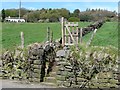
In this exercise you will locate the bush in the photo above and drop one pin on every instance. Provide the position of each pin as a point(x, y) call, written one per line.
point(53, 19)
point(108, 20)
point(73, 19)
point(86, 17)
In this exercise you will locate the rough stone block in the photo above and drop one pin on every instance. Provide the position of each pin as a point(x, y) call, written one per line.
point(37, 66)
point(66, 84)
point(37, 62)
point(53, 74)
point(113, 81)
point(61, 63)
point(68, 67)
point(61, 69)
point(81, 79)
point(102, 80)
point(60, 78)
point(50, 79)
point(59, 83)
point(37, 75)
point(36, 80)
point(37, 70)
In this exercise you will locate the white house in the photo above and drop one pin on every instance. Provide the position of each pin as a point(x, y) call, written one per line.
point(14, 19)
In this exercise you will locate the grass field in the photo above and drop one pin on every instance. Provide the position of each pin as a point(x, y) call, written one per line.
point(33, 32)
point(37, 32)
point(105, 36)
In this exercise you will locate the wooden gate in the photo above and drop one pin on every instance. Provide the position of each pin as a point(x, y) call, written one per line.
point(69, 32)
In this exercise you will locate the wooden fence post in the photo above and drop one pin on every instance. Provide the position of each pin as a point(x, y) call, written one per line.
point(51, 36)
point(62, 28)
point(77, 34)
point(80, 35)
point(48, 33)
point(22, 40)
point(89, 42)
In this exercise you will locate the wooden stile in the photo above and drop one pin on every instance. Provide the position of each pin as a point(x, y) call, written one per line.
point(77, 34)
point(62, 28)
point(69, 33)
point(81, 35)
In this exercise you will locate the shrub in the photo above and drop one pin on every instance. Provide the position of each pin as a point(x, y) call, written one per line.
point(73, 19)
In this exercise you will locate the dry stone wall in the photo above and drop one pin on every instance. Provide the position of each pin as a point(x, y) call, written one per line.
point(91, 27)
point(28, 64)
point(97, 68)
point(82, 67)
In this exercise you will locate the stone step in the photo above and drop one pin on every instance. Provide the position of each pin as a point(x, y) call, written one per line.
point(53, 74)
point(49, 84)
point(61, 63)
point(55, 68)
point(50, 79)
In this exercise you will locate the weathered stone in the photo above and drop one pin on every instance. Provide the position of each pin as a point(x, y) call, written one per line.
point(37, 62)
point(112, 81)
point(37, 75)
point(48, 84)
point(57, 59)
point(68, 70)
point(64, 73)
point(61, 69)
point(92, 86)
point(102, 80)
point(75, 86)
point(50, 79)
point(79, 83)
point(37, 66)
point(112, 85)
point(33, 58)
point(101, 85)
point(62, 63)
point(60, 78)
point(59, 72)
point(59, 83)
point(68, 67)
point(36, 80)
point(66, 84)
point(81, 79)
point(60, 53)
point(52, 74)
point(102, 75)
point(37, 70)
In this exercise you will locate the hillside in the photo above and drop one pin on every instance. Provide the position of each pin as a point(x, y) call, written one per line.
point(106, 35)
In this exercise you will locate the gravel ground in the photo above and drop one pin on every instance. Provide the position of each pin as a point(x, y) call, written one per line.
point(22, 84)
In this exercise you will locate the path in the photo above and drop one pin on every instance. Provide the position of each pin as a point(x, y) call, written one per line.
point(21, 84)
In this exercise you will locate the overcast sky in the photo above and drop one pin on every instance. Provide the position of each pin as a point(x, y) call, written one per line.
point(38, 4)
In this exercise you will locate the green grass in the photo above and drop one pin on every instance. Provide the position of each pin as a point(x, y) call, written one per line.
point(105, 36)
point(33, 32)
point(37, 32)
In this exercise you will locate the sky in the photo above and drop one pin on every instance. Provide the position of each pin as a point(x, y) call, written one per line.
point(111, 6)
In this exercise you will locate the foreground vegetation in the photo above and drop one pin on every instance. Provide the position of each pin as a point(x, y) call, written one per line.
point(85, 67)
point(37, 32)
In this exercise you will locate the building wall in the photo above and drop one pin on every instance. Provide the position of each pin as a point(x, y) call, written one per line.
point(15, 20)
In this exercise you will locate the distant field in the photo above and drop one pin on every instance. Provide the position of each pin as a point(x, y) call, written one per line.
point(33, 32)
point(37, 32)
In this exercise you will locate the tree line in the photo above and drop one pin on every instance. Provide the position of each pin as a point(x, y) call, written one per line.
point(54, 15)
